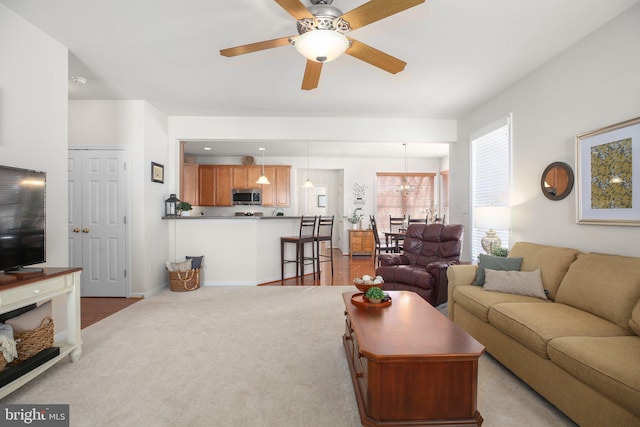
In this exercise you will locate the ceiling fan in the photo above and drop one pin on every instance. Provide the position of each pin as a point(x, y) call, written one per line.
point(322, 28)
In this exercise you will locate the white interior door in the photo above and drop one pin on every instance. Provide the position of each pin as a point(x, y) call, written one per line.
point(97, 221)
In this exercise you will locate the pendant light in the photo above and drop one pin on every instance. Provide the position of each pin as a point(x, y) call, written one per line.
point(308, 183)
point(404, 186)
point(263, 178)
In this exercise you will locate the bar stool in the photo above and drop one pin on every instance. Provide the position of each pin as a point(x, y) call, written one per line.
point(306, 235)
point(324, 234)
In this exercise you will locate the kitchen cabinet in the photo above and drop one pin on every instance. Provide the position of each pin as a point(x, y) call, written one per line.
point(282, 184)
point(277, 194)
point(245, 176)
point(189, 191)
point(215, 185)
point(207, 185)
point(224, 185)
point(215, 182)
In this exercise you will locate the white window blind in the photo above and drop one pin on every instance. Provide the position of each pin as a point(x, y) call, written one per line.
point(390, 202)
point(490, 175)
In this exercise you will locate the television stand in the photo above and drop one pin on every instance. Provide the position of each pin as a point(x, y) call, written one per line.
point(63, 283)
point(25, 273)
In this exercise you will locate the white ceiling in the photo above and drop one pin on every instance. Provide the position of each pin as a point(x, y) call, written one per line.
point(459, 53)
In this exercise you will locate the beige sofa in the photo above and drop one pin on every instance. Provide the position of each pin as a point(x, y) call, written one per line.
point(580, 348)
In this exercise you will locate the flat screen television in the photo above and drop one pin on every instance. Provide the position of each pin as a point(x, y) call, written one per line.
point(22, 218)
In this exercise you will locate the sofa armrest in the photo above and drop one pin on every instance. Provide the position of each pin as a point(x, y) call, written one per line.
point(459, 275)
point(389, 259)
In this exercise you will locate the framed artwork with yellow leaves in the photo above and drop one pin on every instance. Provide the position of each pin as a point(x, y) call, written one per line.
point(608, 175)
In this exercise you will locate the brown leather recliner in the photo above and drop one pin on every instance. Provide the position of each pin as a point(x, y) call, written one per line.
point(422, 266)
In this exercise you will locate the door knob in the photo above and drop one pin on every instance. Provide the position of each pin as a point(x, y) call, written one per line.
point(85, 230)
point(76, 230)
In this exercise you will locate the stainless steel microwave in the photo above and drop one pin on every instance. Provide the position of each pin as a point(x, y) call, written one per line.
point(246, 196)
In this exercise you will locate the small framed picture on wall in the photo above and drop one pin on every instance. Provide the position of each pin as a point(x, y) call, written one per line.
point(322, 200)
point(157, 172)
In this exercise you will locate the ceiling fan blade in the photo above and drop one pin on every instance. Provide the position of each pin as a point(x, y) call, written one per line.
point(375, 57)
point(376, 10)
point(311, 75)
point(254, 47)
point(295, 8)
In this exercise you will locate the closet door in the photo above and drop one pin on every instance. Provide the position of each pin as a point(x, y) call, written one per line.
point(97, 222)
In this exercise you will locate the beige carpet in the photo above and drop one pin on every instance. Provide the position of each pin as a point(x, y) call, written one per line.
point(248, 356)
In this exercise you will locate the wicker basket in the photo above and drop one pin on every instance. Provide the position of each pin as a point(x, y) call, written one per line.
point(33, 341)
point(3, 362)
point(181, 281)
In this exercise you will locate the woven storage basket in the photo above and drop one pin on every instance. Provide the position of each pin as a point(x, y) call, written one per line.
point(180, 281)
point(33, 341)
point(3, 362)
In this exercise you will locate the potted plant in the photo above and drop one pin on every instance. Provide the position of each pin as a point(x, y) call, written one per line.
point(501, 252)
point(374, 295)
point(356, 218)
point(185, 208)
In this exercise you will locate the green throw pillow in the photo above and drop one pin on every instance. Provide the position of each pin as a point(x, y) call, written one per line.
point(495, 263)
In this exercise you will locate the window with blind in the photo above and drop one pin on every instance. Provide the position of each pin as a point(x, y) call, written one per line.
point(416, 203)
point(490, 175)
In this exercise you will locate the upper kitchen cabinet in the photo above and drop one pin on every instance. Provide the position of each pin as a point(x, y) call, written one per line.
point(245, 176)
point(190, 184)
point(277, 193)
point(224, 185)
point(215, 185)
point(207, 185)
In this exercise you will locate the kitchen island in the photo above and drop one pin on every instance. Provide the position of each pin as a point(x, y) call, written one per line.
point(238, 250)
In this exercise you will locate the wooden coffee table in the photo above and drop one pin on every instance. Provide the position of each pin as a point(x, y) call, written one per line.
point(410, 365)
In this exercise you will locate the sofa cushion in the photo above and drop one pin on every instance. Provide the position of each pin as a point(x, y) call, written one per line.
point(605, 285)
point(494, 263)
point(610, 365)
point(515, 282)
point(534, 325)
point(477, 301)
point(634, 322)
point(552, 261)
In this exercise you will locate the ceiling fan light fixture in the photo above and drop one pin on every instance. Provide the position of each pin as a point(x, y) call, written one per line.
point(322, 45)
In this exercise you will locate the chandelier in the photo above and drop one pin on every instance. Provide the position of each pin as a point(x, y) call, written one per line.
point(404, 186)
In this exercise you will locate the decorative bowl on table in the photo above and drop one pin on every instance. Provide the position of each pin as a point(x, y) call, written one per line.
point(367, 282)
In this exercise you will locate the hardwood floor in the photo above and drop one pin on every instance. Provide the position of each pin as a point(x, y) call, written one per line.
point(93, 310)
point(345, 270)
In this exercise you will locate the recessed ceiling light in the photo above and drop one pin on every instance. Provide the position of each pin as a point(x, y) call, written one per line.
point(207, 148)
point(79, 80)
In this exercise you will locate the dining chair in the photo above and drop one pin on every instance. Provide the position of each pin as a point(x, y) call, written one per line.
point(379, 245)
point(410, 220)
point(306, 235)
point(395, 224)
point(437, 220)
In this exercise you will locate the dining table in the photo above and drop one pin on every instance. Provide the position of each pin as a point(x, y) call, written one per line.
point(393, 239)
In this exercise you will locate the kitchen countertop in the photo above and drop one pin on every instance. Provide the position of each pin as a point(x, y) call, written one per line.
point(229, 217)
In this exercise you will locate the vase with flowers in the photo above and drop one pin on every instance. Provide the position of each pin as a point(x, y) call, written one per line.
point(355, 219)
